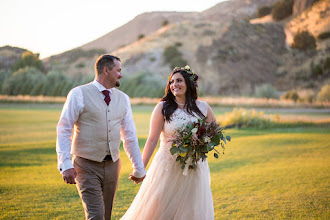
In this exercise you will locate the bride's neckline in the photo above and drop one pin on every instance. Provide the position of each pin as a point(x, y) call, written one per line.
point(180, 105)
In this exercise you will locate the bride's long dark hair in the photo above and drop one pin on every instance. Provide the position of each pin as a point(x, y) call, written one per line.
point(191, 96)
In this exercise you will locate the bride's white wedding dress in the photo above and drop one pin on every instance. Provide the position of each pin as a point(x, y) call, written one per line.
point(167, 194)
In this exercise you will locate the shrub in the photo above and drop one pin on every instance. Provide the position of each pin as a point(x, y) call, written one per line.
point(246, 118)
point(317, 71)
point(326, 64)
point(141, 36)
point(173, 57)
point(178, 44)
point(324, 94)
point(263, 11)
point(282, 9)
point(80, 65)
point(304, 41)
point(164, 23)
point(291, 95)
point(266, 91)
point(324, 35)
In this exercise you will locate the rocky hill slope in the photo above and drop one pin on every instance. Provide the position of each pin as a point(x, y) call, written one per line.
point(231, 54)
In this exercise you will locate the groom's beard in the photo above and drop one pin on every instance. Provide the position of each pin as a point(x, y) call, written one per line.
point(117, 84)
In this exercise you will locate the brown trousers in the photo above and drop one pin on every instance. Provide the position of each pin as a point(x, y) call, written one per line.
point(97, 185)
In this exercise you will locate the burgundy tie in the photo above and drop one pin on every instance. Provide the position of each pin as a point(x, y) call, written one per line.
point(107, 97)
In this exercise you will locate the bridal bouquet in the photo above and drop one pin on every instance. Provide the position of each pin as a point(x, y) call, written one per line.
point(194, 140)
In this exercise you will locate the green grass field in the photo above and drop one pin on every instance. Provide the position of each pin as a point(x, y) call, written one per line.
point(276, 173)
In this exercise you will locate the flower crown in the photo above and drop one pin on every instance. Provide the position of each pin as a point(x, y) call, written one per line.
point(193, 77)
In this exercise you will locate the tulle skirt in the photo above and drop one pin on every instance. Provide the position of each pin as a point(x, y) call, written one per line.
point(167, 194)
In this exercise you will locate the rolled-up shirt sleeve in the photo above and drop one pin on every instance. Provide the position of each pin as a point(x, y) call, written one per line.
point(130, 141)
point(72, 108)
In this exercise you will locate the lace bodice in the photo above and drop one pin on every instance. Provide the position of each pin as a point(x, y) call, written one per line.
point(179, 118)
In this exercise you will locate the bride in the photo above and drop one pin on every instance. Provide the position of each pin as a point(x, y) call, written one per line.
point(166, 193)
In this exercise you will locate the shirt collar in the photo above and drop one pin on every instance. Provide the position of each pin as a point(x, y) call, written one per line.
point(100, 87)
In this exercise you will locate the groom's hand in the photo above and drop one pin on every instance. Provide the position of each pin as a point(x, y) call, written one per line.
point(136, 180)
point(69, 176)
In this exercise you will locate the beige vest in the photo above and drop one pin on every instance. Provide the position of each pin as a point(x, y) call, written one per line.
point(97, 131)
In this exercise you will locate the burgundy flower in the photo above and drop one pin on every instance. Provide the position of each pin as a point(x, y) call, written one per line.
point(201, 131)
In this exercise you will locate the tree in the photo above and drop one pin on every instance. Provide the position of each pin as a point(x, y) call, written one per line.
point(28, 59)
point(23, 81)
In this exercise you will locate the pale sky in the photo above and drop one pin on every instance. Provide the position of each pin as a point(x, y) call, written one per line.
point(49, 27)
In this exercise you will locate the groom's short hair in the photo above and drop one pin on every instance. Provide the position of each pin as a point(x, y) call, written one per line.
point(105, 60)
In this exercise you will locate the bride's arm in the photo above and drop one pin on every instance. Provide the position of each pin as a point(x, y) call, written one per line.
point(156, 126)
point(210, 114)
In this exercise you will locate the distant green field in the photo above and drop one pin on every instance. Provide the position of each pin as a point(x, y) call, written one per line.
point(277, 173)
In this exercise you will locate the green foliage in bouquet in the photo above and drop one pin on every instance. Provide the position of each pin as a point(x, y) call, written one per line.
point(195, 140)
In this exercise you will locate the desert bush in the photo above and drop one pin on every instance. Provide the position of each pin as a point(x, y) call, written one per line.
point(141, 36)
point(173, 57)
point(164, 23)
point(266, 91)
point(326, 64)
point(244, 118)
point(323, 36)
point(324, 94)
point(80, 65)
point(282, 9)
point(263, 11)
point(291, 95)
point(317, 70)
point(304, 41)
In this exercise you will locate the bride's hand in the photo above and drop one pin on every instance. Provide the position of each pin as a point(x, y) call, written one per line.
point(136, 180)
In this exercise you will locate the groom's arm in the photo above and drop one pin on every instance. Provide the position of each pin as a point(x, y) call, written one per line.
point(130, 142)
point(70, 114)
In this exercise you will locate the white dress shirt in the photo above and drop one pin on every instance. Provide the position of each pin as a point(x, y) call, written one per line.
point(73, 107)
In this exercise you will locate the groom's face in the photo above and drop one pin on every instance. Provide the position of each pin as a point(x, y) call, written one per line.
point(114, 75)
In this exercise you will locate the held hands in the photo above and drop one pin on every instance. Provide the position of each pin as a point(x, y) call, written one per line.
point(135, 179)
point(69, 176)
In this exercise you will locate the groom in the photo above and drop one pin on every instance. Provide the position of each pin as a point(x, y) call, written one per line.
point(94, 119)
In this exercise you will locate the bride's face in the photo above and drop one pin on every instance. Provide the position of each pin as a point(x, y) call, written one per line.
point(178, 85)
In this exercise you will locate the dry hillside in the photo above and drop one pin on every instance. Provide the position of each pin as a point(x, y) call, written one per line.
point(145, 24)
point(231, 50)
